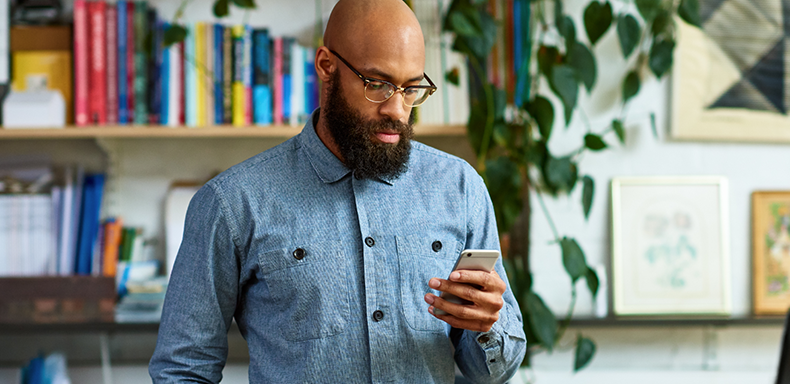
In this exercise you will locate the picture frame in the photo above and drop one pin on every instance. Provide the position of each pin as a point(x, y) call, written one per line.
point(727, 76)
point(771, 252)
point(670, 246)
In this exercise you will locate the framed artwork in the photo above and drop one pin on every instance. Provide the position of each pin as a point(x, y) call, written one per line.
point(729, 79)
point(670, 250)
point(771, 252)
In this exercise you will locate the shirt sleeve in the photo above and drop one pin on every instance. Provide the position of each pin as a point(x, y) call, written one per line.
point(493, 356)
point(201, 298)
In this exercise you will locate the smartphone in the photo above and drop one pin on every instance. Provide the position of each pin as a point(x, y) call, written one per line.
point(474, 259)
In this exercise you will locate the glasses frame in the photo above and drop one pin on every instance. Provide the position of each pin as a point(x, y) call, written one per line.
point(367, 80)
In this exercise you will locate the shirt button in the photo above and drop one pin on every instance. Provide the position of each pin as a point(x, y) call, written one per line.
point(436, 246)
point(378, 315)
point(482, 339)
point(299, 254)
point(369, 241)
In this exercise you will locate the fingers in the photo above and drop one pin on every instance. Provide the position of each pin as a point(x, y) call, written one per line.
point(488, 281)
point(471, 317)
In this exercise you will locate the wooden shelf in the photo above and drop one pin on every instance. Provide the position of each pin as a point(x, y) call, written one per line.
point(653, 321)
point(220, 131)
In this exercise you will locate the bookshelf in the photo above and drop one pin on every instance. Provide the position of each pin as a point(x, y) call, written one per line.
point(220, 131)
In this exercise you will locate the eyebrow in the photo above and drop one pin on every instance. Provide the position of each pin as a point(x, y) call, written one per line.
point(383, 76)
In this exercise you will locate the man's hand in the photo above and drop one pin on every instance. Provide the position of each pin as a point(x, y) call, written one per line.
point(482, 289)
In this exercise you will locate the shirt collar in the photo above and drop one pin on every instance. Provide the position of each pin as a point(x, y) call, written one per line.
point(328, 167)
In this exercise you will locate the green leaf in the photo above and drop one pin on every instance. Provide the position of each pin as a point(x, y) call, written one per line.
point(631, 85)
point(653, 124)
point(592, 281)
point(689, 12)
point(541, 320)
point(568, 31)
point(588, 190)
point(465, 22)
point(594, 142)
point(248, 4)
point(561, 173)
point(478, 45)
point(661, 23)
point(503, 179)
point(619, 130)
point(582, 60)
point(573, 258)
point(221, 8)
point(597, 19)
point(547, 57)
point(661, 56)
point(564, 83)
point(174, 34)
point(585, 350)
point(542, 111)
point(648, 9)
point(629, 33)
point(452, 76)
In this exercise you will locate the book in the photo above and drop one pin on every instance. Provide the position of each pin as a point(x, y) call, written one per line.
point(111, 34)
point(89, 222)
point(182, 85)
point(131, 62)
point(219, 74)
point(113, 228)
point(310, 82)
point(175, 85)
point(287, 44)
point(154, 48)
point(190, 78)
point(297, 84)
point(164, 81)
point(247, 75)
point(122, 76)
point(81, 62)
point(277, 78)
point(208, 80)
point(200, 73)
point(239, 93)
point(261, 83)
point(140, 63)
point(227, 75)
point(97, 84)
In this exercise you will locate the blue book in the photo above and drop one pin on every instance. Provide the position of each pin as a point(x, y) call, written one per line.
point(261, 77)
point(310, 82)
point(89, 223)
point(123, 81)
point(219, 94)
point(287, 43)
point(164, 73)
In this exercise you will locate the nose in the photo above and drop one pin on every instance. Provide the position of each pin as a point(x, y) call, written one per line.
point(394, 108)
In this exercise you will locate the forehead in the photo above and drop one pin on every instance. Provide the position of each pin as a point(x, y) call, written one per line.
point(398, 55)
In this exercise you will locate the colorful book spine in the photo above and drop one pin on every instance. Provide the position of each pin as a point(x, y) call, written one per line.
point(112, 64)
point(239, 102)
point(227, 75)
point(190, 78)
point(98, 61)
point(261, 86)
point(310, 82)
point(140, 63)
point(131, 72)
point(200, 72)
point(209, 78)
point(81, 62)
point(181, 85)
point(219, 70)
point(277, 71)
point(164, 73)
point(154, 48)
point(174, 87)
point(286, 75)
point(248, 75)
point(89, 223)
point(122, 80)
point(113, 229)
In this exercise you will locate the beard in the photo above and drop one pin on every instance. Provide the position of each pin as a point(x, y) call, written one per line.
point(354, 136)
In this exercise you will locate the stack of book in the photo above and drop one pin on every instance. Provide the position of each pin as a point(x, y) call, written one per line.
point(124, 73)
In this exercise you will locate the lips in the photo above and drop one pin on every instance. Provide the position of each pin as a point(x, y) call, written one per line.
point(388, 137)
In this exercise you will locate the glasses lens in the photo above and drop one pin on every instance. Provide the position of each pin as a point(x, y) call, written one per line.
point(415, 96)
point(377, 91)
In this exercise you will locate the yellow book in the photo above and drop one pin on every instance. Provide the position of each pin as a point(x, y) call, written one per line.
point(200, 72)
point(50, 69)
point(238, 91)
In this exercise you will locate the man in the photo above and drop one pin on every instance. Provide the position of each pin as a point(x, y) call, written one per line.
point(331, 248)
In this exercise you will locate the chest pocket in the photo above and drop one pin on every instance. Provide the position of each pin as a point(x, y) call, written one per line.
point(421, 257)
point(309, 290)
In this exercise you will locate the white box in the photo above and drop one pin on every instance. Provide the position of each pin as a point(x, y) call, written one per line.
point(34, 109)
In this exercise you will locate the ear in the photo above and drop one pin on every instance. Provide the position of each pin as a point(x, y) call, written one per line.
point(324, 65)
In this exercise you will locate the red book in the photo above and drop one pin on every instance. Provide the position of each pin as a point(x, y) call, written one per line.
point(112, 65)
point(277, 75)
point(81, 62)
point(182, 102)
point(130, 70)
point(97, 91)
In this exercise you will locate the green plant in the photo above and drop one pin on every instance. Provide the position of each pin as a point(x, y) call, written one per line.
point(511, 141)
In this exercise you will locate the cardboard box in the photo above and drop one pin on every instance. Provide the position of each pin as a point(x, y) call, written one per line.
point(72, 299)
point(41, 38)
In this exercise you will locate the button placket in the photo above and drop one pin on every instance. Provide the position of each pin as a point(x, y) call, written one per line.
point(378, 315)
point(299, 253)
point(369, 241)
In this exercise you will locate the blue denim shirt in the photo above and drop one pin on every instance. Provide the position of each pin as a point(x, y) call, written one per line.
point(303, 254)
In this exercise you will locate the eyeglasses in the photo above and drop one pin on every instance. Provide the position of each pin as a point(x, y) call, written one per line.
point(379, 91)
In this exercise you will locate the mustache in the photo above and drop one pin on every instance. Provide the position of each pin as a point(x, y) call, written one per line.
point(403, 129)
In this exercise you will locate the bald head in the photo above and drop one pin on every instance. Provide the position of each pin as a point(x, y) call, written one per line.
point(373, 29)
